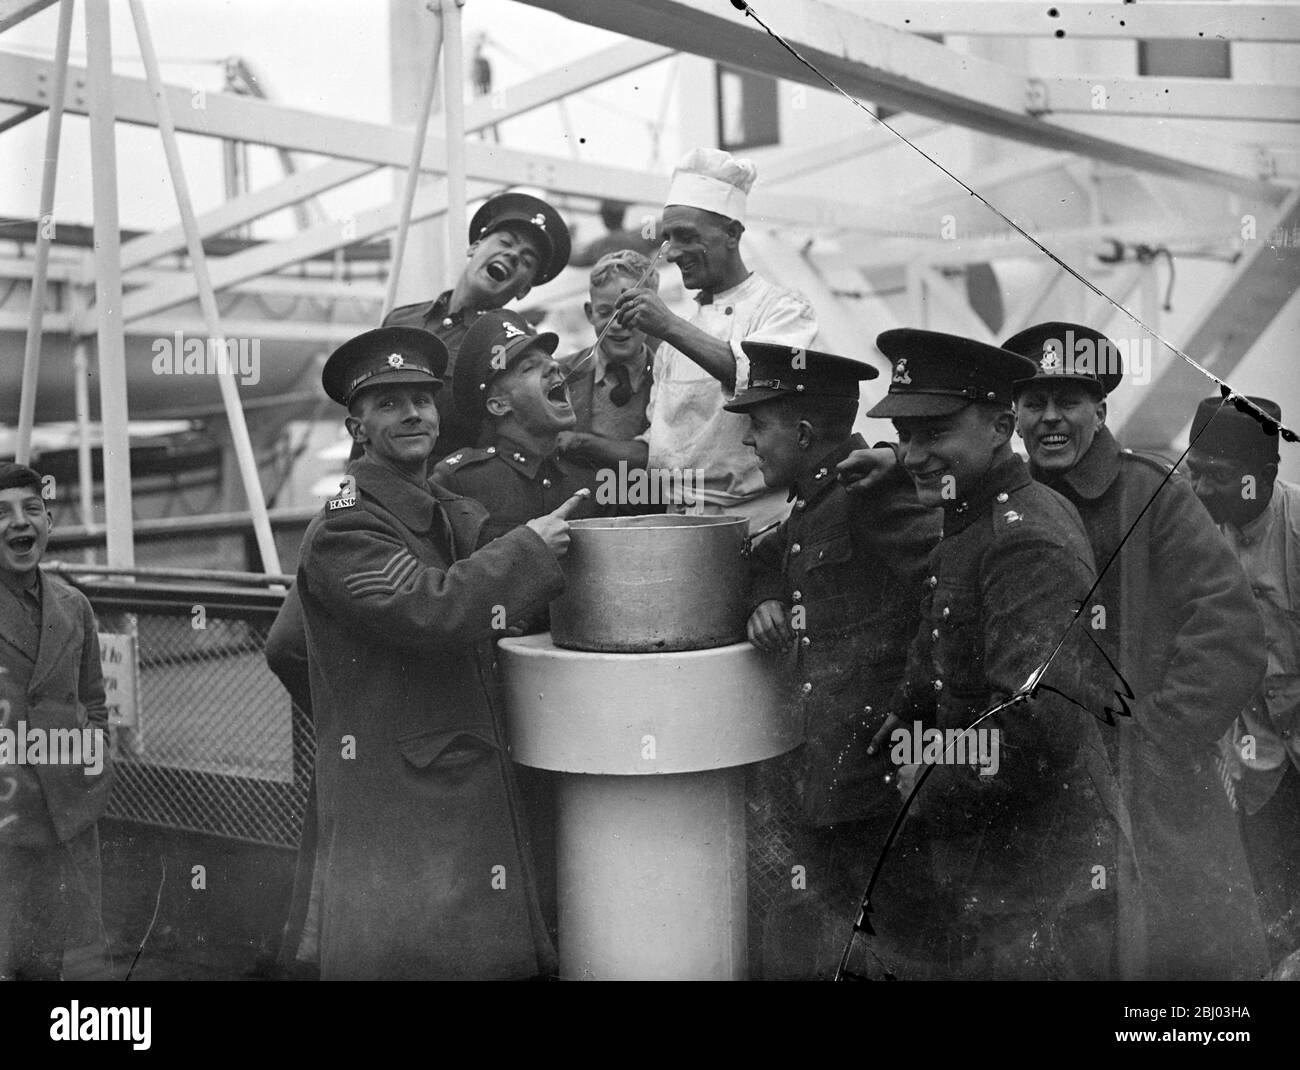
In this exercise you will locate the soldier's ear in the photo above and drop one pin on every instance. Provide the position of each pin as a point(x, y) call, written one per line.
point(355, 428)
point(806, 434)
point(1101, 413)
point(1004, 426)
point(498, 405)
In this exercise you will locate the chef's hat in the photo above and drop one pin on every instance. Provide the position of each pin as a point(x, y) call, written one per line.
point(713, 180)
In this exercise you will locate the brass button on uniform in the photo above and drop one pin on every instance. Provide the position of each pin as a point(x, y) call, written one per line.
point(806, 688)
point(797, 596)
point(1003, 497)
point(938, 685)
point(794, 549)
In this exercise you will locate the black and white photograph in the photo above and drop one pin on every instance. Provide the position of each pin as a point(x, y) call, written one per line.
point(651, 490)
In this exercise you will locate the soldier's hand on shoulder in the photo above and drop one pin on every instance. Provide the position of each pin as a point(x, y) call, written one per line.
point(862, 470)
point(553, 528)
point(769, 626)
point(570, 442)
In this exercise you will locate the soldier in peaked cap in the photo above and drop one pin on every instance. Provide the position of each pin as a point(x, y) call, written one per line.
point(517, 241)
point(508, 377)
point(1233, 464)
point(834, 597)
point(1181, 628)
point(416, 797)
point(1013, 842)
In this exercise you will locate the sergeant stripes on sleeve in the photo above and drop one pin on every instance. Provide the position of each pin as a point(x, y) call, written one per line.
point(385, 580)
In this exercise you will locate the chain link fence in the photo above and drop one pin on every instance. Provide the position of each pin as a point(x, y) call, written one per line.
point(217, 746)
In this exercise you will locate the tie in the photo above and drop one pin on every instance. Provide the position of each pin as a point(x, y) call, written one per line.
point(621, 393)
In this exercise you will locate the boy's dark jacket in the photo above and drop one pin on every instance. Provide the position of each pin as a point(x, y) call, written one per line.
point(51, 679)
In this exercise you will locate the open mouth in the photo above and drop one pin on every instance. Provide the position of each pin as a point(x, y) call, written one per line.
point(558, 394)
point(497, 271)
point(22, 544)
point(1053, 442)
point(927, 478)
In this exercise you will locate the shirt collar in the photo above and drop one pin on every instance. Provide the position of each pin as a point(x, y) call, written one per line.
point(1257, 527)
point(413, 505)
point(20, 588)
point(708, 297)
point(1002, 478)
point(635, 371)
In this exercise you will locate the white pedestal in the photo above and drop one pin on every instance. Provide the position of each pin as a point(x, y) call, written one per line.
point(651, 806)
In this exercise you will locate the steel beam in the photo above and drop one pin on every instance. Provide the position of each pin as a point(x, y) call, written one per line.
point(430, 201)
point(1165, 19)
point(272, 198)
point(12, 12)
point(1262, 282)
point(12, 115)
point(111, 343)
point(795, 162)
point(1170, 98)
point(874, 62)
point(44, 237)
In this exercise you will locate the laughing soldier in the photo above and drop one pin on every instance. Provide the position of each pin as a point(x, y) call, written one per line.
point(1015, 852)
point(836, 596)
point(516, 242)
point(700, 363)
point(1174, 612)
point(507, 373)
point(422, 859)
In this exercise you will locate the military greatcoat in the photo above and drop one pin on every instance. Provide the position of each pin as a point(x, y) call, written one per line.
point(1014, 851)
point(423, 851)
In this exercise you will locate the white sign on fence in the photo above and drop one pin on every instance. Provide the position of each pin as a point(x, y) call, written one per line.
point(117, 654)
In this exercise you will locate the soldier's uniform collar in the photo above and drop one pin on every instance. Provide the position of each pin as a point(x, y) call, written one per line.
point(823, 477)
point(440, 314)
point(997, 485)
point(412, 504)
point(523, 459)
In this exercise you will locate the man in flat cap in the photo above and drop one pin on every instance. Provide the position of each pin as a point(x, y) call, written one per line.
point(836, 596)
point(1015, 826)
point(1174, 614)
point(517, 241)
point(1233, 464)
point(507, 376)
point(423, 861)
point(700, 364)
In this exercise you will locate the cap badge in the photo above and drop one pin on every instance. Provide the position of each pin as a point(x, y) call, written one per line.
point(1050, 362)
point(901, 374)
point(395, 360)
point(539, 221)
point(512, 330)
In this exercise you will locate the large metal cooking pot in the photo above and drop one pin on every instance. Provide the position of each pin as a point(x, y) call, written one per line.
point(642, 584)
